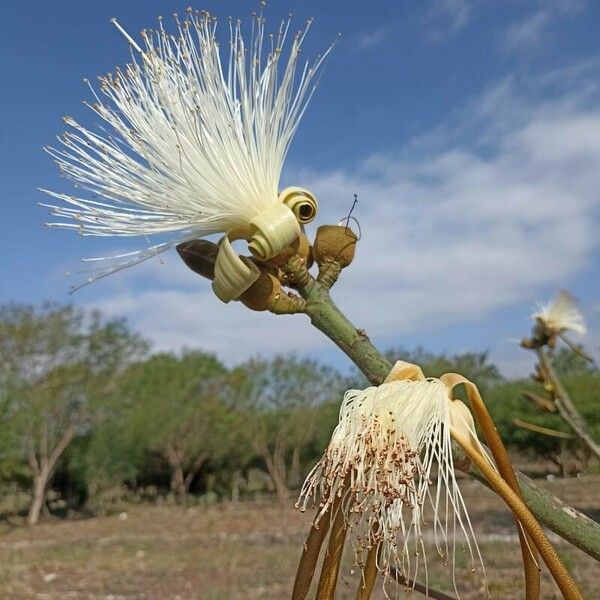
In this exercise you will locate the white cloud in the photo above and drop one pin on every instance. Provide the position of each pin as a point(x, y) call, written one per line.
point(192, 317)
point(446, 17)
point(529, 31)
point(532, 30)
point(371, 39)
point(452, 231)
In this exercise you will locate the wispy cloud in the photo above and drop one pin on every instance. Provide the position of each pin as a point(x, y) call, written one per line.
point(371, 39)
point(531, 31)
point(445, 17)
point(452, 231)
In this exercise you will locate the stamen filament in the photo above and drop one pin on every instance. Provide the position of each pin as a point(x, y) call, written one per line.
point(369, 574)
point(191, 143)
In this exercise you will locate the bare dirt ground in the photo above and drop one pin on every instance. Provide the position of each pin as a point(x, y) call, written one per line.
point(247, 550)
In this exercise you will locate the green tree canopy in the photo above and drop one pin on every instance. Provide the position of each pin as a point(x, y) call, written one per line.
point(58, 367)
point(283, 400)
point(171, 406)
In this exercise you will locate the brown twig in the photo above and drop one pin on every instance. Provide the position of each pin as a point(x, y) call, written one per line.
point(542, 430)
point(566, 408)
point(419, 587)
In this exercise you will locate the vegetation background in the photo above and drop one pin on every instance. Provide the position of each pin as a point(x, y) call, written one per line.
point(95, 428)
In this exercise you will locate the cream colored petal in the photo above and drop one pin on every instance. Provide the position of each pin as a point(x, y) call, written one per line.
point(233, 275)
point(405, 370)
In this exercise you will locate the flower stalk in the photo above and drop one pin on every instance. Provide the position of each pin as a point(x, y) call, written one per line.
point(310, 553)
point(419, 587)
point(505, 468)
point(333, 557)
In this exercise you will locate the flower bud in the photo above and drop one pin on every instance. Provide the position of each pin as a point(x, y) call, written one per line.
point(334, 243)
point(299, 247)
point(200, 256)
point(266, 293)
point(262, 292)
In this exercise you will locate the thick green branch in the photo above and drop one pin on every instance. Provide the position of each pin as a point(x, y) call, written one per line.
point(326, 316)
point(564, 520)
point(567, 522)
point(561, 518)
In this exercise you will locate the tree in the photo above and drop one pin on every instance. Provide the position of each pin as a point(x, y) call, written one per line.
point(280, 399)
point(58, 365)
point(172, 408)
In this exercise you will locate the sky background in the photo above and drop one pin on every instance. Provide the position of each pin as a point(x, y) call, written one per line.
point(470, 130)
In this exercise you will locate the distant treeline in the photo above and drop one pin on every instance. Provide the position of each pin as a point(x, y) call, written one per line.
point(89, 413)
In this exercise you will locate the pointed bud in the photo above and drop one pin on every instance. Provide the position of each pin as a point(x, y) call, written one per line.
point(200, 256)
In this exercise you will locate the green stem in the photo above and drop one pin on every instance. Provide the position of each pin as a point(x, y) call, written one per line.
point(327, 317)
point(567, 522)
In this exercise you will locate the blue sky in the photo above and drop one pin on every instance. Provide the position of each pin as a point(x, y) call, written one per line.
point(470, 130)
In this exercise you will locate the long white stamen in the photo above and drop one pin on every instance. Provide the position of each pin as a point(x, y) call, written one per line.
point(388, 443)
point(126, 35)
point(192, 145)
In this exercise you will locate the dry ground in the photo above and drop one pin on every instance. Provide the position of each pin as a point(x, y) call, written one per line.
point(248, 550)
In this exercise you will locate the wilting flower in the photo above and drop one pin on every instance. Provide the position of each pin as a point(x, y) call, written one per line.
point(390, 454)
point(561, 314)
point(192, 142)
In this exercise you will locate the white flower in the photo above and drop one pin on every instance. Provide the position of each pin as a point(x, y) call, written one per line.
point(381, 460)
point(192, 142)
point(562, 314)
